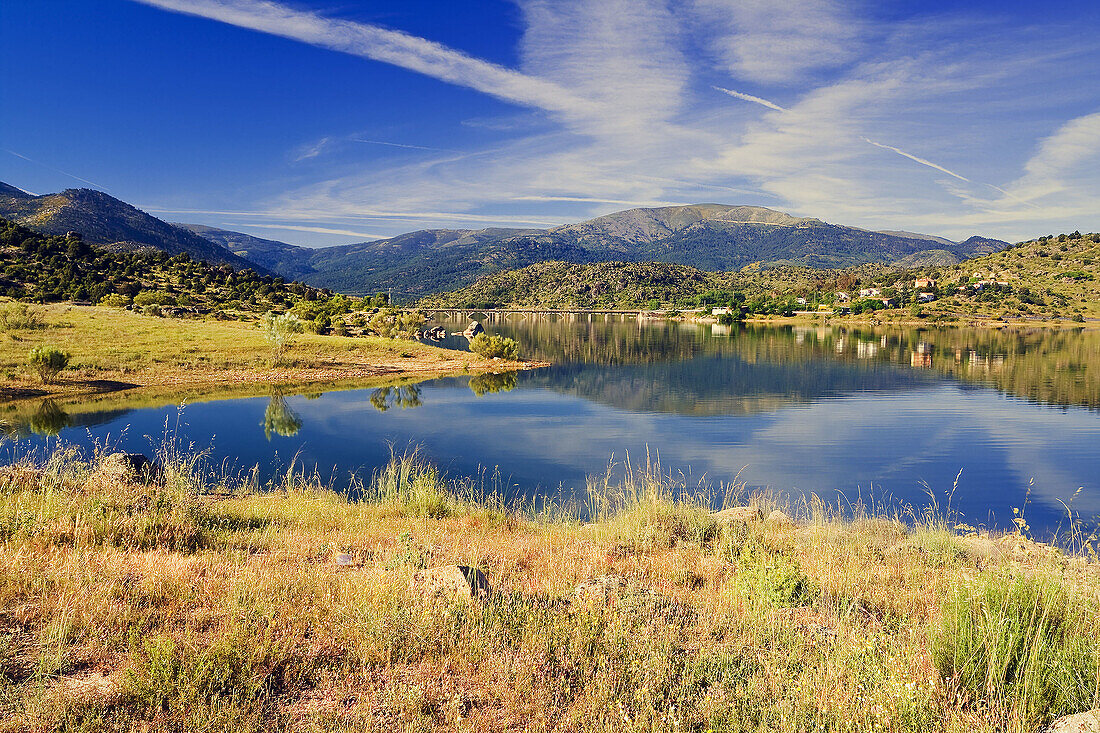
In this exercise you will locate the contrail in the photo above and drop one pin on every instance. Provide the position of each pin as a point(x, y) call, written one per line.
point(922, 161)
point(402, 145)
point(56, 170)
point(750, 98)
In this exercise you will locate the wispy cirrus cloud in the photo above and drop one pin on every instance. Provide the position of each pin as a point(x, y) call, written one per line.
point(771, 42)
point(1066, 162)
point(385, 45)
point(627, 116)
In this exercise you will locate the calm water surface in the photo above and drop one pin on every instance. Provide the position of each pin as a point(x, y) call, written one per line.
point(886, 416)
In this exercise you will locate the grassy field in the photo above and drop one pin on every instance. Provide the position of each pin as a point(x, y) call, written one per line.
point(113, 348)
point(196, 605)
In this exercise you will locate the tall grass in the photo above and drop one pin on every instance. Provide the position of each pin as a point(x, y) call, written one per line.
point(250, 624)
point(1022, 647)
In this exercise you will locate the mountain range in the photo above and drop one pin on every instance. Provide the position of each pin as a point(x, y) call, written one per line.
point(714, 237)
point(108, 222)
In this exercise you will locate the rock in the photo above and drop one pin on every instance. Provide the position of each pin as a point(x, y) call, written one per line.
point(779, 518)
point(344, 560)
point(131, 467)
point(451, 581)
point(473, 329)
point(612, 591)
point(91, 687)
point(602, 589)
point(743, 514)
point(1087, 722)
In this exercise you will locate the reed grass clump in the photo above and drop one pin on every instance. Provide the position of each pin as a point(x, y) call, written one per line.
point(1023, 647)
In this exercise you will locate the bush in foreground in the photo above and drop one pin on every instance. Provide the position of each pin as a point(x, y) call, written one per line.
point(47, 362)
point(495, 347)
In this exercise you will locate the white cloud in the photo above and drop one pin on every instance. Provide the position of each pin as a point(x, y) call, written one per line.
point(622, 55)
point(631, 119)
point(381, 44)
point(1065, 164)
point(781, 42)
point(314, 230)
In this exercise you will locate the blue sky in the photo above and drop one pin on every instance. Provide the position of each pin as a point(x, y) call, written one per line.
point(328, 122)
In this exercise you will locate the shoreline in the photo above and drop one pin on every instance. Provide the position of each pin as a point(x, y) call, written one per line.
point(941, 320)
point(117, 351)
point(287, 378)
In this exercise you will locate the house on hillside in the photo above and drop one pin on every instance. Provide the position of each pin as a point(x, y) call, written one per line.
point(842, 297)
point(924, 282)
point(888, 302)
point(925, 297)
point(870, 293)
point(721, 311)
point(800, 301)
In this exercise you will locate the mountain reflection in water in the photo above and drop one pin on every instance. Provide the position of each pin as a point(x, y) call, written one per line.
point(886, 415)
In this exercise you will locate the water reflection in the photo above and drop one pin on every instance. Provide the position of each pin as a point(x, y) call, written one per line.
point(280, 419)
point(49, 419)
point(404, 396)
point(484, 384)
point(795, 409)
point(1057, 367)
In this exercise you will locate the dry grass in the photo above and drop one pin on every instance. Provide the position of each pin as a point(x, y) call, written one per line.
point(114, 345)
point(132, 607)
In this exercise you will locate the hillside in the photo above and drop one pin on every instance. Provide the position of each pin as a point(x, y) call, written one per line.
point(1055, 277)
point(106, 221)
point(44, 268)
point(1050, 277)
point(713, 237)
point(559, 284)
point(289, 260)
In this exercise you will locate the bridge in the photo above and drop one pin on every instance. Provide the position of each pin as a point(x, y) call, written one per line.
point(497, 315)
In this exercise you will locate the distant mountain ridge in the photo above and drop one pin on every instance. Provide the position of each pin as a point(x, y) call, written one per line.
point(106, 221)
point(715, 237)
point(708, 236)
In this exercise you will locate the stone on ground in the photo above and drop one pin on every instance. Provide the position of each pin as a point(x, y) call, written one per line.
point(130, 468)
point(1087, 722)
point(451, 581)
point(743, 514)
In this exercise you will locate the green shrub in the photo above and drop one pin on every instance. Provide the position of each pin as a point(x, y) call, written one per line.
point(495, 346)
point(393, 323)
point(152, 297)
point(768, 575)
point(115, 300)
point(20, 317)
point(1022, 648)
point(321, 324)
point(48, 361)
point(280, 332)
